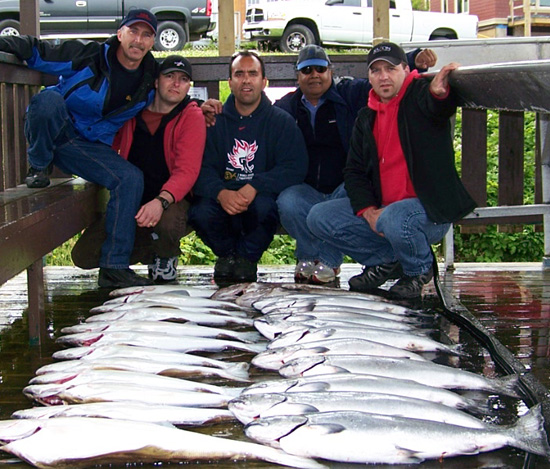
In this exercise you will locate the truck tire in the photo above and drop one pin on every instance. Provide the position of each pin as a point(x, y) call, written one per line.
point(9, 28)
point(296, 37)
point(170, 36)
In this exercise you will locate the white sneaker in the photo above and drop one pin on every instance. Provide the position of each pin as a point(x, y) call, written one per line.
point(304, 270)
point(324, 274)
point(164, 269)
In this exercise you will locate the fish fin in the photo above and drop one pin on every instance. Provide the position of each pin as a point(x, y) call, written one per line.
point(408, 456)
point(508, 385)
point(327, 429)
point(529, 433)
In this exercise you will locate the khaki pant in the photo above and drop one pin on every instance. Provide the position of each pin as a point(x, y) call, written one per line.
point(163, 240)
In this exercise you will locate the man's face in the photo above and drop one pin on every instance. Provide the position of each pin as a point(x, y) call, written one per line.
point(246, 82)
point(314, 81)
point(135, 41)
point(173, 87)
point(386, 79)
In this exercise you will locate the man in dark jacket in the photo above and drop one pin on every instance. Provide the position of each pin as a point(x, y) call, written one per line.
point(400, 178)
point(253, 152)
point(325, 109)
point(73, 123)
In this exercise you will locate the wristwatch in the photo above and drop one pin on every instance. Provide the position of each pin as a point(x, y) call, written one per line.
point(163, 201)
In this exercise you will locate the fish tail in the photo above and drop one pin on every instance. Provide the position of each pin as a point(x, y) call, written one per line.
point(248, 337)
point(529, 433)
point(508, 385)
point(240, 370)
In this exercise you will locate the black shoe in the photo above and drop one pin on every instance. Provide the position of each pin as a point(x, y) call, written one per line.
point(411, 287)
point(245, 270)
point(121, 278)
point(37, 178)
point(373, 277)
point(225, 267)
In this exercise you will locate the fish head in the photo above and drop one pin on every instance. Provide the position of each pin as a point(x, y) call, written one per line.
point(72, 353)
point(302, 366)
point(13, 430)
point(248, 407)
point(269, 430)
point(59, 377)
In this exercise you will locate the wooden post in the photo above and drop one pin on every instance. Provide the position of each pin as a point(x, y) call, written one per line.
point(36, 313)
point(226, 27)
point(381, 21)
point(30, 17)
point(527, 16)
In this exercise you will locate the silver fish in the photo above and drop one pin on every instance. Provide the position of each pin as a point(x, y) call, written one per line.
point(202, 317)
point(55, 394)
point(400, 339)
point(275, 358)
point(178, 289)
point(248, 407)
point(160, 341)
point(427, 372)
point(95, 441)
point(146, 367)
point(366, 383)
point(175, 299)
point(176, 415)
point(146, 353)
point(166, 327)
point(359, 437)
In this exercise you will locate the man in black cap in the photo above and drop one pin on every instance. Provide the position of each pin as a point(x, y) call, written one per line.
point(400, 177)
point(325, 109)
point(166, 142)
point(73, 123)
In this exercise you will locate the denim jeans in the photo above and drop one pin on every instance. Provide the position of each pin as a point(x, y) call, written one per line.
point(294, 204)
point(245, 235)
point(408, 233)
point(53, 139)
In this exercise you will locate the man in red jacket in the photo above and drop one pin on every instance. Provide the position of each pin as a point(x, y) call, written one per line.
point(166, 142)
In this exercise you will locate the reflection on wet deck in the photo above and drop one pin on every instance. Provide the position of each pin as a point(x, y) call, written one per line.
point(512, 301)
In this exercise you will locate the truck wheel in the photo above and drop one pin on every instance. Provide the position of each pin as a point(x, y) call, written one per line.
point(170, 36)
point(9, 28)
point(296, 37)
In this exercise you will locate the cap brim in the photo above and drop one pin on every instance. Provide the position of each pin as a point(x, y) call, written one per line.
point(175, 69)
point(391, 60)
point(309, 62)
point(130, 23)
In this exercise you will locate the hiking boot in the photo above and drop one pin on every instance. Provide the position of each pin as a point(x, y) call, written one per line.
point(164, 269)
point(324, 274)
point(37, 178)
point(245, 270)
point(304, 271)
point(225, 267)
point(411, 287)
point(121, 278)
point(373, 277)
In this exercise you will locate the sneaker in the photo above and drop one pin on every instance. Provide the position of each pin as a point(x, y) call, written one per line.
point(121, 278)
point(373, 277)
point(304, 271)
point(245, 270)
point(164, 269)
point(37, 178)
point(411, 287)
point(225, 267)
point(324, 274)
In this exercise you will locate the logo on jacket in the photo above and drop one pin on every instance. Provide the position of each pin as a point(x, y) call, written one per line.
point(242, 155)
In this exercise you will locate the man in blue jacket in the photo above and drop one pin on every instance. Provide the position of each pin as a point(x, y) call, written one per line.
point(325, 109)
point(252, 153)
point(73, 123)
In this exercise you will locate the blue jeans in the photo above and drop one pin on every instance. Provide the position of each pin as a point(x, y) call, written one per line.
point(294, 204)
point(408, 233)
point(245, 235)
point(53, 139)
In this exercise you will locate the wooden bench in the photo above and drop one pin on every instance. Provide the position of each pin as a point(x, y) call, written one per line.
point(33, 221)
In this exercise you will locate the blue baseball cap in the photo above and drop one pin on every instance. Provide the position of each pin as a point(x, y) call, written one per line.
point(138, 15)
point(312, 55)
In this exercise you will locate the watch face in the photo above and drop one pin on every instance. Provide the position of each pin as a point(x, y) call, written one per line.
point(164, 202)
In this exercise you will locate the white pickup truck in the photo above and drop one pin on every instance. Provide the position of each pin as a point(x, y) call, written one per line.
point(291, 24)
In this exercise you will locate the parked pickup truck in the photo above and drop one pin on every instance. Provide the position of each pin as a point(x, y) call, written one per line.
point(179, 21)
point(292, 24)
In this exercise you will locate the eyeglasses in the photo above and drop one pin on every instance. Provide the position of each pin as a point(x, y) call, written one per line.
point(318, 68)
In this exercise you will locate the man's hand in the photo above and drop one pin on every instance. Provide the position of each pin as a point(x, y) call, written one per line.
point(233, 202)
point(149, 214)
point(210, 108)
point(248, 192)
point(425, 59)
point(371, 215)
point(440, 84)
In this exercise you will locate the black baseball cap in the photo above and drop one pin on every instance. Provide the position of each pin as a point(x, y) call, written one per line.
point(312, 55)
point(137, 15)
point(387, 51)
point(176, 63)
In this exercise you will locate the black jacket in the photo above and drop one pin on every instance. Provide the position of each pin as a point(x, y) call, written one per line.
point(425, 134)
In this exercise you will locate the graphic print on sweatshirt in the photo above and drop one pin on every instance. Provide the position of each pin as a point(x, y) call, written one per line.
point(240, 167)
